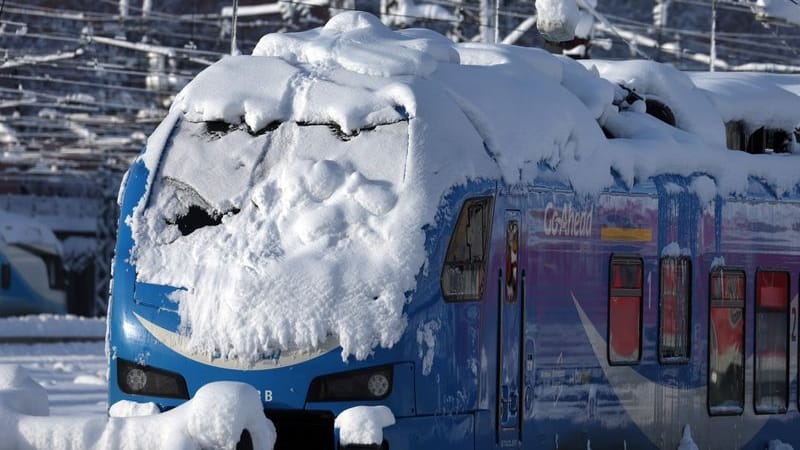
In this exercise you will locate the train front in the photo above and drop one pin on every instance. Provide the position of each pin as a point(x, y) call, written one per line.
point(270, 234)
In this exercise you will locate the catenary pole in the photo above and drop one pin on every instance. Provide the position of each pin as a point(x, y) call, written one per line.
point(234, 49)
point(713, 52)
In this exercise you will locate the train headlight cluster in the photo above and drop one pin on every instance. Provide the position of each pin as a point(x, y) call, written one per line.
point(358, 385)
point(138, 379)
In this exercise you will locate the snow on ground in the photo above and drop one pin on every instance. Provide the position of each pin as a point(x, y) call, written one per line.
point(72, 373)
point(53, 396)
point(52, 325)
point(336, 146)
point(215, 417)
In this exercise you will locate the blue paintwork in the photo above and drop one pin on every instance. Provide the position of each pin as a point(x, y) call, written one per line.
point(563, 389)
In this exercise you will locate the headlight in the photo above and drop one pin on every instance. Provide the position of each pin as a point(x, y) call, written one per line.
point(368, 384)
point(137, 379)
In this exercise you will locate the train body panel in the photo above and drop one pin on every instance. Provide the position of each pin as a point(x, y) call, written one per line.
point(528, 363)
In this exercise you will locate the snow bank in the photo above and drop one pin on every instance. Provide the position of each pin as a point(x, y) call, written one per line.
point(50, 325)
point(363, 425)
point(18, 392)
point(328, 153)
point(214, 418)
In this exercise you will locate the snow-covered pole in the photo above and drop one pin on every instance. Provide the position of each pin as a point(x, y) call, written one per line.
point(147, 6)
point(234, 49)
point(485, 32)
point(713, 52)
point(496, 22)
point(660, 14)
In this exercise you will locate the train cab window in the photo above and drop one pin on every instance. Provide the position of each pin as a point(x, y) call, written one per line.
point(674, 319)
point(625, 310)
point(726, 342)
point(464, 272)
point(772, 342)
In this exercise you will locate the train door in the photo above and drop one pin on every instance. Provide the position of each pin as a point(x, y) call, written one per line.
point(510, 301)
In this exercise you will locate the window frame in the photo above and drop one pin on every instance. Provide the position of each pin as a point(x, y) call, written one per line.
point(756, 311)
point(487, 239)
point(742, 393)
point(615, 257)
point(675, 360)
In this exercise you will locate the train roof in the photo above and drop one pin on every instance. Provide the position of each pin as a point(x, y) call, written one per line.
point(17, 229)
point(333, 150)
point(524, 104)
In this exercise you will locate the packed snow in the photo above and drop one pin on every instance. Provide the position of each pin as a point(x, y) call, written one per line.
point(337, 147)
point(214, 418)
point(127, 408)
point(363, 425)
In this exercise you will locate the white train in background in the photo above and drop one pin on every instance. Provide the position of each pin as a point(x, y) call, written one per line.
point(31, 268)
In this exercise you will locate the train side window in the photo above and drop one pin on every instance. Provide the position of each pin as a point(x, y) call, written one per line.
point(772, 342)
point(625, 310)
point(464, 273)
point(726, 342)
point(675, 319)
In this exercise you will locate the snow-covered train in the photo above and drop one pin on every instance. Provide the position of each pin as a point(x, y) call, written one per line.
point(506, 248)
point(31, 269)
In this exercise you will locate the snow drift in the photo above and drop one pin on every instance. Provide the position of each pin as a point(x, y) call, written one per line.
point(214, 418)
point(289, 190)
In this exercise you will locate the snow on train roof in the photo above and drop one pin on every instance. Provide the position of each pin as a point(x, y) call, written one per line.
point(755, 98)
point(316, 164)
point(17, 229)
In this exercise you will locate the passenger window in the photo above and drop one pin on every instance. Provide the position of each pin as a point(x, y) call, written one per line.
point(726, 342)
point(772, 342)
point(625, 310)
point(675, 319)
point(464, 272)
